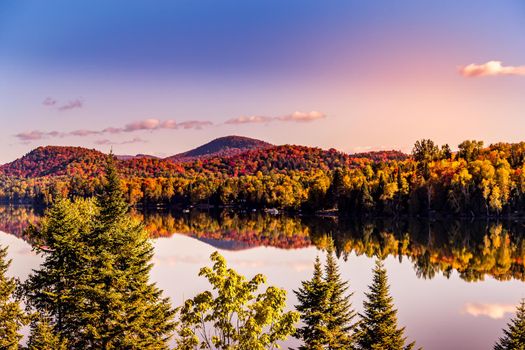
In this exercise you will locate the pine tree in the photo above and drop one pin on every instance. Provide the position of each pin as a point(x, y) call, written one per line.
point(514, 336)
point(126, 310)
point(340, 315)
point(12, 317)
point(325, 308)
point(313, 300)
point(43, 336)
point(57, 289)
point(378, 329)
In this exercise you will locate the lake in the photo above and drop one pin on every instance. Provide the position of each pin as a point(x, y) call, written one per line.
point(455, 283)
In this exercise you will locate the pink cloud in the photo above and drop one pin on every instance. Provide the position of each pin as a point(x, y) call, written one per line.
point(146, 124)
point(73, 104)
point(302, 117)
point(250, 119)
point(194, 124)
point(126, 142)
point(294, 117)
point(494, 311)
point(491, 68)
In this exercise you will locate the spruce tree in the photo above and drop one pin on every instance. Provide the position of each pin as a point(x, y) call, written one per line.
point(514, 336)
point(12, 317)
point(313, 300)
point(57, 288)
point(126, 311)
point(339, 314)
point(325, 308)
point(378, 329)
point(43, 336)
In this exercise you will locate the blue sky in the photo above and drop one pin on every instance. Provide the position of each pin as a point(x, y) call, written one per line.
point(166, 76)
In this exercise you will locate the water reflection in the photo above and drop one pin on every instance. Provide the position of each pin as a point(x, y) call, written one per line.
point(475, 249)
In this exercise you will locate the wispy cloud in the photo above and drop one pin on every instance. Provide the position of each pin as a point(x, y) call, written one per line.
point(153, 124)
point(126, 142)
point(494, 311)
point(49, 101)
point(73, 104)
point(491, 68)
point(142, 125)
point(293, 117)
point(302, 117)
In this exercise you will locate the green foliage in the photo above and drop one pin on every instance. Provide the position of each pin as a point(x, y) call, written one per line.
point(313, 303)
point(325, 308)
point(514, 336)
point(232, 316)
point(43, 336)
point(94, 281)
point(470, 150)
point(12, 317)
point(378, 329)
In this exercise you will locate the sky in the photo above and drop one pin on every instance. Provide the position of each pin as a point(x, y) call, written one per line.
point(166, 76)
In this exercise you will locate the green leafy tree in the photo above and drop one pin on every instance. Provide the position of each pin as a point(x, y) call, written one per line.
point(12, 317)
point(378, 329)
point(470, 149)
point(514, 336)
point(425, 151)
point(233, 316)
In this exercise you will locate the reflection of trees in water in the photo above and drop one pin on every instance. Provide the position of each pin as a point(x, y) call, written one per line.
point(472, 248)
point(16, 219)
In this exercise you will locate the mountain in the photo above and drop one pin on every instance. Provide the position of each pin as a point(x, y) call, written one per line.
point(223, 147)
point(137, 156)
point(232, 155)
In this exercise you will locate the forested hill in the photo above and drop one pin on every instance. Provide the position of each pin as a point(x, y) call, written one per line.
point(242, 156)
point(223, 146)
point(474, 181)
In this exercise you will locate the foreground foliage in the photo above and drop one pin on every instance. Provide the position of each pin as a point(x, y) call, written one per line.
point(232, 316)
point(93, 286)
point(12, 317)
point(325, 308)
point(378, 329)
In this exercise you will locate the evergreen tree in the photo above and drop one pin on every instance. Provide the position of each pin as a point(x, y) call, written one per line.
point(325, 308)
point(12, 317)
point(57, 289)
point(125, 309)
point(339, 314)
point(313, 304)
point(43, 336)
point(514, 336)
point(378, 329)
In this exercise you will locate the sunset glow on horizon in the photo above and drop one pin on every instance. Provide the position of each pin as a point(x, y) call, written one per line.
point(349, 75)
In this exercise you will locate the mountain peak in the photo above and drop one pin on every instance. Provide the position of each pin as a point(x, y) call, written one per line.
point(222, 146)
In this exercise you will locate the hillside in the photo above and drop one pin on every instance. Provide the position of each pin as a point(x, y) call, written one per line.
point(222, 146)
point(55, 161)
point(231, 155)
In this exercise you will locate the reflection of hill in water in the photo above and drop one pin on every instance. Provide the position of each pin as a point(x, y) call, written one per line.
point(472, 248)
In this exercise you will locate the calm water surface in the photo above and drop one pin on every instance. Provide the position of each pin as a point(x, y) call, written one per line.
point(455, 284)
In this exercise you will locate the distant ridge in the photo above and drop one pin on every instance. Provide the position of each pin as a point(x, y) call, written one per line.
point(222, 146)
point(137, 156)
